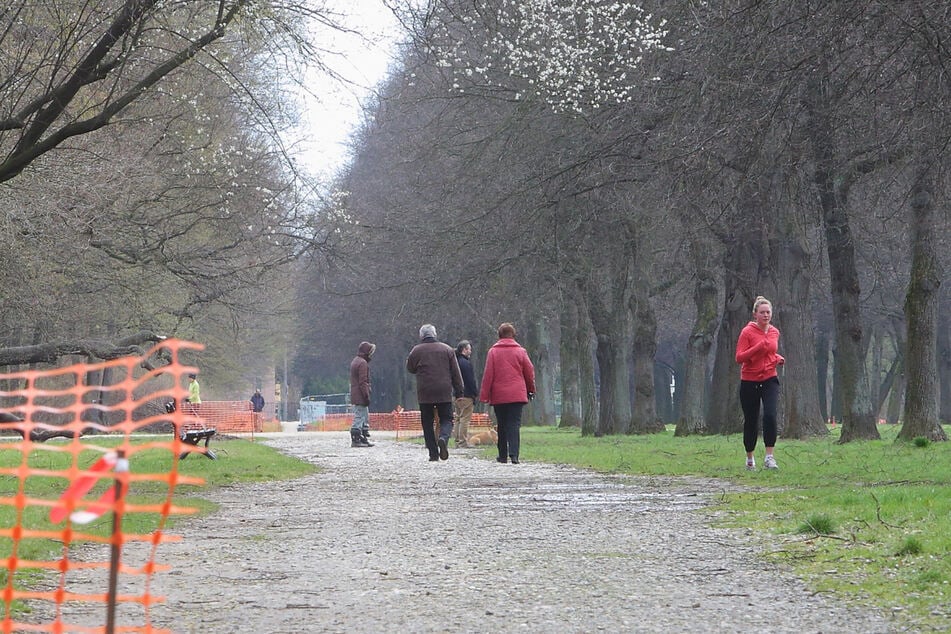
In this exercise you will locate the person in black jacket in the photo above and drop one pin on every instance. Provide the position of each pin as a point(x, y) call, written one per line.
point(257, 402)
point(465, 404)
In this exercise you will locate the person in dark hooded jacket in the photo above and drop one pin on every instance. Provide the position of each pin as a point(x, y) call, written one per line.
point(360, 395)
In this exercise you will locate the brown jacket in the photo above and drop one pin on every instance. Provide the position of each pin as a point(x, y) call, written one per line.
point(438, 379)
point(360, 374)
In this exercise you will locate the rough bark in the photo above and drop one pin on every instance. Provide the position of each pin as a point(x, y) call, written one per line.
point(822, 356)
point(802, 417)
point(644, 418)
point(920, 416)
point(50, 353)
point(607, 296)
point(740, 263)
point(832, 183)
point(571, 352)
point(944, 365)
point(692, 420)
point(541, 411)
point(587, 380)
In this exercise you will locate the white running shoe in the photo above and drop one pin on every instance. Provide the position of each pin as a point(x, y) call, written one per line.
point(750, 464)
point(770, 462)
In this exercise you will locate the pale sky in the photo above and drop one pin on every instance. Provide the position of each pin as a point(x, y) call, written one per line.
point(363, 62)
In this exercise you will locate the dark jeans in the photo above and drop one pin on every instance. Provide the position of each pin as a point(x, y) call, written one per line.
point(427, 415)
point(508, 416)
point(752, 393)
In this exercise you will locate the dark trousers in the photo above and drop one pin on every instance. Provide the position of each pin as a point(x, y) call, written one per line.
point(752, 393)
point(427, 415)
point(508, 416)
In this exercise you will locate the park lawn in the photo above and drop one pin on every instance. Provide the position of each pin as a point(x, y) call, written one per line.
point(239, 461)
point(868, 520)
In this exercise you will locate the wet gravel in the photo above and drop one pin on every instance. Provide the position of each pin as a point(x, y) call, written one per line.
point(381, 539)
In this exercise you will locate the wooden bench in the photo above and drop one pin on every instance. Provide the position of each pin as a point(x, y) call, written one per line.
point(195, 436)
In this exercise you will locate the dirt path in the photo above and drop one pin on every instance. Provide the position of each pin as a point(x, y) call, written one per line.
point(382, 540)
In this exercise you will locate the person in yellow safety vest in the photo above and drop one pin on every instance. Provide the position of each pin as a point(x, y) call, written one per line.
point(194, 390)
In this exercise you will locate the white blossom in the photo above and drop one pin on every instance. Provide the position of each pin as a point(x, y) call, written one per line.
point(571, 54)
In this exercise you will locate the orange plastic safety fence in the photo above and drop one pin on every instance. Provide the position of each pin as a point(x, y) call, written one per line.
point(408, 423)
point(226, 417)
point(54, 476)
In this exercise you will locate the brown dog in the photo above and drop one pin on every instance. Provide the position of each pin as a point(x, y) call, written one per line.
point(487, 437)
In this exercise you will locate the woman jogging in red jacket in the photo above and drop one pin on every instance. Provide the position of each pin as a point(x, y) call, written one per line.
point(756, 351)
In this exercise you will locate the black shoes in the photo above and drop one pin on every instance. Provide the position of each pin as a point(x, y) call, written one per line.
point(502, 460)
point(514, 460)
point(443, 449)
point(434, 458)
point(357, 439)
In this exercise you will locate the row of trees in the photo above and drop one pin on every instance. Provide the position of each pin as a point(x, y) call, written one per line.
point(619, 183)
point(712, 154)
point(145, 184)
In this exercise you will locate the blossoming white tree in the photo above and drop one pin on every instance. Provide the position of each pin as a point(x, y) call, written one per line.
point(573, 55)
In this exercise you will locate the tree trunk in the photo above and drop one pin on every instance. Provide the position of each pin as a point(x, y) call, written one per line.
point(571, 352)
point(614, 415)
point(587, 381)
point(644, 418)
point(895, 369)
point(694, 388)
point(663, 398)
point(802, 417)
point(740, 262)
point(920, 417)
point(607, 292)
point(896, 396)
point(944, 364)
point(541, 411)
point(822, 368)
point(858, 421)
point(849, 376)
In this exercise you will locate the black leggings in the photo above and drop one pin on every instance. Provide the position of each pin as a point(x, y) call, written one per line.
point(751, 394)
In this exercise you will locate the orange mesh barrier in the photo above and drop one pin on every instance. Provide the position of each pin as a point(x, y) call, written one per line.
point(47, 469)
point(408, 423)
point(227, 417)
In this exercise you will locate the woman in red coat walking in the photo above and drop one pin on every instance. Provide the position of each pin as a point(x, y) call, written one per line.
point(507, 385)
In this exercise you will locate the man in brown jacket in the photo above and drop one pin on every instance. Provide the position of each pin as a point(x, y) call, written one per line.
point(438, 381)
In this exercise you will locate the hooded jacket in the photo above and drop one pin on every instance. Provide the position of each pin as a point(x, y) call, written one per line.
point(438, 378)
point(509, 374)
point(756, 352)
point(360, 374)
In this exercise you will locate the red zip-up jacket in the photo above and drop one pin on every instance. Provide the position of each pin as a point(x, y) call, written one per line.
point(509, 374)
point(756, 352)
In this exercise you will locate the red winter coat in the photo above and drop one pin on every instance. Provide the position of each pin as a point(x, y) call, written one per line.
point(756, 352)
point(509, 374)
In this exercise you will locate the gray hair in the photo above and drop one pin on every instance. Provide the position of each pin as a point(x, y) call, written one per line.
point(427, 330)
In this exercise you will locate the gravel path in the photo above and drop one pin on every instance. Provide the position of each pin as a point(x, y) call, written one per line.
point(382, 539)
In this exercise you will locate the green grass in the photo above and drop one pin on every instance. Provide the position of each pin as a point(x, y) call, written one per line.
point(238, 461)
point(868, 520)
